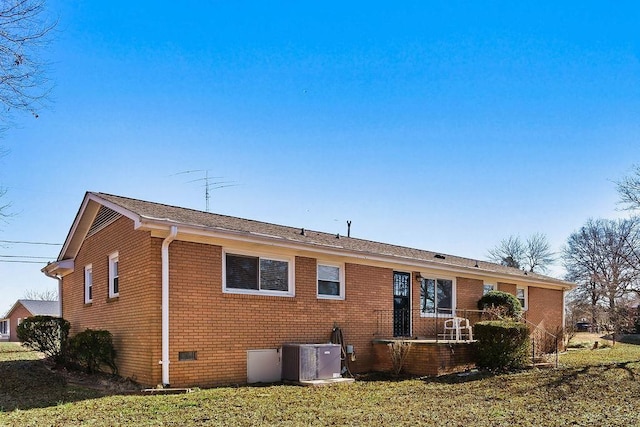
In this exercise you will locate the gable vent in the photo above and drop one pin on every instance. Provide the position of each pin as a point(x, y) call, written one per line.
point(105, 217)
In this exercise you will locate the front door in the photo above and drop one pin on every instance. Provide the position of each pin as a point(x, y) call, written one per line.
point(401, 304)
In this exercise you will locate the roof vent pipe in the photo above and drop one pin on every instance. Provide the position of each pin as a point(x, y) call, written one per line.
point(165, 304)
point(348, 228)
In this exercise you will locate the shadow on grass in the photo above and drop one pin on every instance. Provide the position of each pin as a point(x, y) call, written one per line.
point(625, 338)
point(27, 384)
point(465, 377)
point(572, 380)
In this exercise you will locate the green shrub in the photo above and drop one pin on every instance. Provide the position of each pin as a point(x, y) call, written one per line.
point(46, 334)
point(502, 345)
point(92, 349)
point(494, 299)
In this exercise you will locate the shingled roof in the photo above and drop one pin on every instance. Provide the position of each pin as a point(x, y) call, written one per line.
point(145, 211)
point(38, 307)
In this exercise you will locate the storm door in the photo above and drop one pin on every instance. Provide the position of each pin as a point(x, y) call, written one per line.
point(401, 304)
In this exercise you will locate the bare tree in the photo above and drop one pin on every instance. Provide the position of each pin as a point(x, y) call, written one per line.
point(46, 295)
point(24, 30)
point(509, 252)
point(3, 206)
point(602, 259)
point(538, 254)
point(23, 33)
point(534, 254)
point(629, 189)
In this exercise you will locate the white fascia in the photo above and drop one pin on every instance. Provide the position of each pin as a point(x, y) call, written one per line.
point(158, 224)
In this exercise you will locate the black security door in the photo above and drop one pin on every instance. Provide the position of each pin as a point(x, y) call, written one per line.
point(401, 304)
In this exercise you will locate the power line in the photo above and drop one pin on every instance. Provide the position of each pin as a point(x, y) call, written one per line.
point(21, 262)
point(30, 243)
point(25, 256)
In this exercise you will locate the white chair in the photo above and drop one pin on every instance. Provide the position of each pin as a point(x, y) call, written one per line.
point(454, 328)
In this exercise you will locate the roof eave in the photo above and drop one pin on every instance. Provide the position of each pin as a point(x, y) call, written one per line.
point(59, 268)
point(163, 226)
point(83, 220)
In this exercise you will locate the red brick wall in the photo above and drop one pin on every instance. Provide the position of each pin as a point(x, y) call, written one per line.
point(545, 308)
point(507, 287)
point(468, 293)
point(428, 358)
point(221, 327)
point(134, 317)
point(18, 313)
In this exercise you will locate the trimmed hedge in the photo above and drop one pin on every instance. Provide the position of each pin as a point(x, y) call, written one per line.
point(501, 299)
point(502, 345)
point(92, 349)
point(46, 334)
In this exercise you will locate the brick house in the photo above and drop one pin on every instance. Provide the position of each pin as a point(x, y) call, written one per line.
point(195, 298)
point(22, 309)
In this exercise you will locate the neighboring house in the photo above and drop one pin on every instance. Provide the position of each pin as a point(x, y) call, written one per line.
point(195, 298)
point(22, 309)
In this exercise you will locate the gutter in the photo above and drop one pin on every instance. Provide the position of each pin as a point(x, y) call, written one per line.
point(165, 304)
point(151, 224)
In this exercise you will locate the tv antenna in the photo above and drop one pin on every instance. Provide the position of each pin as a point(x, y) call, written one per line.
point(209, 183)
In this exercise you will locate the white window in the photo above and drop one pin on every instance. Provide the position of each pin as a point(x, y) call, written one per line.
point(488, 287)
point(257, 274)
point(88, 284)
point(4, 327)
point(330, 281)
point(437, 296)
point(114, 276)
point(521, 294)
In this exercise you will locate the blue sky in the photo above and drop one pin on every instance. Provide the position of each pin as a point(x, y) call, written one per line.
point(439, 125)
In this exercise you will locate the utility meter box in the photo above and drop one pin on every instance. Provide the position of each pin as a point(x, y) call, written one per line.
point(304, 362)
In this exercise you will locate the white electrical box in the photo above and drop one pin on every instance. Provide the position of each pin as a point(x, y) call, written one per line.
point(264, 366)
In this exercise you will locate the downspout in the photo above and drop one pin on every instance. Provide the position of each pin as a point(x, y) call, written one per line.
point(564, 316)
point(59, 279)
point(165, 304)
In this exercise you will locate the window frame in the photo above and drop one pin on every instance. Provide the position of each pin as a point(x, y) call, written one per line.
point(88, 284)
point(525, 296)
point(7, 332)
point(114, 279)
point(454, 301)
point(341, 285)
point(485, 289)
point(290, 260)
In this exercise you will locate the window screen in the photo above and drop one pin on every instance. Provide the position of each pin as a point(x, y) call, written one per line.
point(242, 272)
point(254, 273)
point(274, 275)
point(328, 280)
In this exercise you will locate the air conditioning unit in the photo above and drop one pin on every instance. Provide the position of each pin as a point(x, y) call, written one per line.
point(305, 362)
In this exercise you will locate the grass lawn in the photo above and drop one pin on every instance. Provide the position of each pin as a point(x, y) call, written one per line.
point(592, 388)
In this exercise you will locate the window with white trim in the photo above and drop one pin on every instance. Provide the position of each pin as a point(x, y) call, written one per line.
point(88, 284)
point(330, 281)
point(488, 287)
point(521, 294)
point(257, 274)
point(437, 296)
point(4, 327)
point(114, 275)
